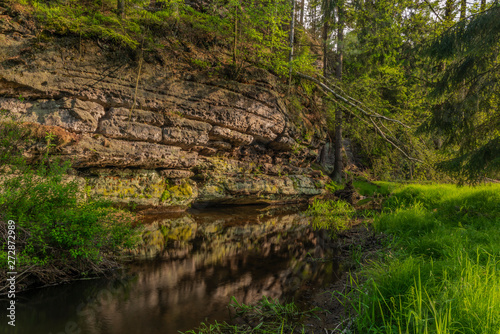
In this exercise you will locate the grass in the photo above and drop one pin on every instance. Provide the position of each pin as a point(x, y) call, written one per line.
point(441, 274)
point(366, 188)
point(266, 317)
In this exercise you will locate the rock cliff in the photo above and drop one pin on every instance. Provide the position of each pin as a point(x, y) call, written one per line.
point(152, 129)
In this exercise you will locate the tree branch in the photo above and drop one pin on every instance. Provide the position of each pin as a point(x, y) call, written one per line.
point(345, 100)
point(395, 146)
point(432, 8)
point(382, 134)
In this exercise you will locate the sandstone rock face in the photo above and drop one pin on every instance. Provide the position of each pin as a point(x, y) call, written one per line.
point(174, 139)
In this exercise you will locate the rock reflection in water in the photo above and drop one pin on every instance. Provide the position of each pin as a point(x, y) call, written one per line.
point(200, 261)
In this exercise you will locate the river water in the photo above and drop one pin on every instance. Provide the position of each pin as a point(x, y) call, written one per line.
point(209, 256)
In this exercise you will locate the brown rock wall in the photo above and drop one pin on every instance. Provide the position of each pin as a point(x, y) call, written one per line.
point(174, 125)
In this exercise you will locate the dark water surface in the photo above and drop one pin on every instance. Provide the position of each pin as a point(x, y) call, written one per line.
point(243, 252)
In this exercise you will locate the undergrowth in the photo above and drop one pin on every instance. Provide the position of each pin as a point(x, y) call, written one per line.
point(56, 227)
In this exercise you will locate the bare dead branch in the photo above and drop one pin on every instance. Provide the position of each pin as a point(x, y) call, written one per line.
point(382, 134)
point(370, 114)
point(395, 146)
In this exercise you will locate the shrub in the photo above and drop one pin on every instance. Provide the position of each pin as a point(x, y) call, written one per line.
point(55, 224)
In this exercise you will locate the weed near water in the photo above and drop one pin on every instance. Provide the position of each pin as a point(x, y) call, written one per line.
point(331, 215)
point(441, 273)
point(268, 316)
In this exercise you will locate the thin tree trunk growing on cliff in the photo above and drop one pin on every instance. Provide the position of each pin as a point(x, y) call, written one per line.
point(292, 32)
point(235, 49)
point(302, 7)
point(120, 6)
point(337, 171)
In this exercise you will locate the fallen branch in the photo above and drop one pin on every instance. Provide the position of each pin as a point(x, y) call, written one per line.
point(345, 100)
point(382, 134)
point(389, 141)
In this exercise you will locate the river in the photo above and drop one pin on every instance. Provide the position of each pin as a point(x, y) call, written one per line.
point(207, 256)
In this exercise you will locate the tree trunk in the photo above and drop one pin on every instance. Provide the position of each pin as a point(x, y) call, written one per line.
point(326, 29)
point(340, 42)
point(314, 24)
point(292, 32)
point(463, 9)
point(120, 6)
point(302, 7)
point(338, 167)
point(448, 11)
point(235, 41)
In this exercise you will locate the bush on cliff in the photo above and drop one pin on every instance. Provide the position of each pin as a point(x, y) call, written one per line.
point(58, 232)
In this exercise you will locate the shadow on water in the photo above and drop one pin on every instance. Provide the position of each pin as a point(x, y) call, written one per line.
point(198, 261)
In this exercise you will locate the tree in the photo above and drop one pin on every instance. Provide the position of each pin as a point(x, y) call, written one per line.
point(302, 7)
point(120, 6)
point(328, 11)
point(467, 96)
point(292, 35)
point(337, 171)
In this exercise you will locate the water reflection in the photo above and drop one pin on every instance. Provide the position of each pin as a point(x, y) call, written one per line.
point(200, 260)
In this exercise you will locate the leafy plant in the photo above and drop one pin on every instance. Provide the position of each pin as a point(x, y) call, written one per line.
point(56, 225)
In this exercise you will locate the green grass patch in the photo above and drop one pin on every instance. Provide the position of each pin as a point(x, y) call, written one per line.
point(371, 189)
point(441, 273)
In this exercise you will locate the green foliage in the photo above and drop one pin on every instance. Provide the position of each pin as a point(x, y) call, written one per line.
point(55, 224)
point(201, 64)
point(441, 274)
point(12, 139)
point(87, 21)
point(466, 95)
point(257, 29)
point(333, 187)
point(366, 188)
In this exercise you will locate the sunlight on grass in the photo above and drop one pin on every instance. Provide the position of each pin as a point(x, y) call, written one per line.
point(441, 275)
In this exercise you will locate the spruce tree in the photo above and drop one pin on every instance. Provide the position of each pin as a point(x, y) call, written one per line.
point(466, 112)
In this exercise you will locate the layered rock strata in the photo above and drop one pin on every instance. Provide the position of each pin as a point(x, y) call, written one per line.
point(154, 136)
